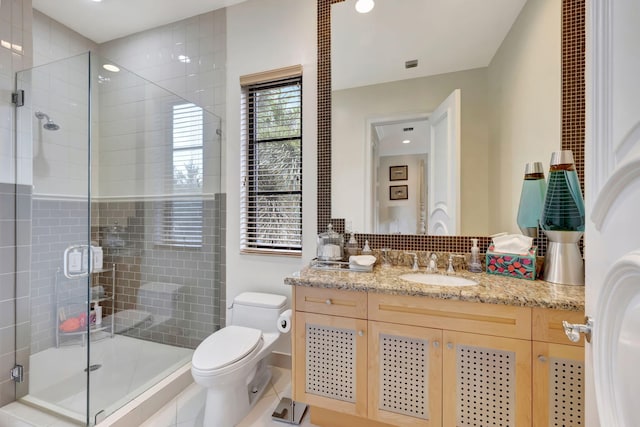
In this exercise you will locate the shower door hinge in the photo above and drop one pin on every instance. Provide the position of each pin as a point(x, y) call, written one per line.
point(18, 98)
point(17, 374)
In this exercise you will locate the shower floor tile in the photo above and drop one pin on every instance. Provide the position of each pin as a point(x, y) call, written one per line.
point(17, 414)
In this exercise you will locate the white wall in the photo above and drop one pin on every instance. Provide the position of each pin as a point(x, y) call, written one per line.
point(352, 107)
point(264, 35)
point(525, 105)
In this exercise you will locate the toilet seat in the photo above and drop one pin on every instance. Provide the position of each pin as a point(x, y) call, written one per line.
point(226, 347)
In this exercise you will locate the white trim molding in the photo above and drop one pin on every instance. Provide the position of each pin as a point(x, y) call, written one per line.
point(599, 137)
point(615, 184)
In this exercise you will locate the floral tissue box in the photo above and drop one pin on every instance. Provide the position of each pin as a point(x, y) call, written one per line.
point(519, 266)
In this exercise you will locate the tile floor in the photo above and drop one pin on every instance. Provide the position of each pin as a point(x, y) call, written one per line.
point(186, 410)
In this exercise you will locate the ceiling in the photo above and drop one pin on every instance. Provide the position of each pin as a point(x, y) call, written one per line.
point(443, 35)
point(112, 19)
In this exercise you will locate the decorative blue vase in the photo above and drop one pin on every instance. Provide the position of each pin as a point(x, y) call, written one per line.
point(532, 199)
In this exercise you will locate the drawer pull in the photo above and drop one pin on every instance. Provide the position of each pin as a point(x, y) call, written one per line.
point(542, 358)
point(360, 333)
point(436, 344)
point(328, 302)
point(450, 345)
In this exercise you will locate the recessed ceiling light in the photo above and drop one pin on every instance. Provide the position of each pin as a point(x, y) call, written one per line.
point(97, 1)
point(406, 141)
point(364, 6)
point(111, 67)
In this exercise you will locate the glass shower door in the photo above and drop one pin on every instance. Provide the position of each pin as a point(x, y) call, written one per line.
point(53, 168)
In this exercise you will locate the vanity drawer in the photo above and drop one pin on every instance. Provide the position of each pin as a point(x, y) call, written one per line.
point(331, 301)
point(486, 319)
point(547, 325)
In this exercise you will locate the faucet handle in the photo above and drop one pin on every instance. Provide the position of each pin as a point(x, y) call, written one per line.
point(450, 268)
point(415, 260)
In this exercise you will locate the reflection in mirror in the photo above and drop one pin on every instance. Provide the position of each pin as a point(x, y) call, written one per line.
point(504, 58)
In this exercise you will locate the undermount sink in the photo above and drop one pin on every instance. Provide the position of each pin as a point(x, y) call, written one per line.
point(438, 279)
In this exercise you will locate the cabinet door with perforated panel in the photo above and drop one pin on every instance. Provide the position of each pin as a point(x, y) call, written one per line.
point(331, 362)
point(558, 385)
point(405, 374)
point(486, 381)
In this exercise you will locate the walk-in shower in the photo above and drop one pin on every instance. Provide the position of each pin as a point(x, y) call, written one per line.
point(50, 124)
point(120, 235)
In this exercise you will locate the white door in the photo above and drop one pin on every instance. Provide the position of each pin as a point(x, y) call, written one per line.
point(612, 196)
point(443, 187)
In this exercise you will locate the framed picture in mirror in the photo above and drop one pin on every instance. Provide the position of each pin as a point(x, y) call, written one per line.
point(398, 173)
point(398, 192)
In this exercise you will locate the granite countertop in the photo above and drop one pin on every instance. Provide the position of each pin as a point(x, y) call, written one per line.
point(491, 289)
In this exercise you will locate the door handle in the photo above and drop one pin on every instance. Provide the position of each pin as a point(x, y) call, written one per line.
point(573, 331)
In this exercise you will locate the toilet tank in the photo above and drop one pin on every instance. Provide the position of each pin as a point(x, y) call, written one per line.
point(258, 310)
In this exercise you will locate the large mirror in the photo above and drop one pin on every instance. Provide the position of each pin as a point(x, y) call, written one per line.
point(458, 175)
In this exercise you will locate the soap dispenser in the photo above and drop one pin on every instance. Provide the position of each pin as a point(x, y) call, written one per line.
point(351, 248)
point(366, 249)
point(475, 266)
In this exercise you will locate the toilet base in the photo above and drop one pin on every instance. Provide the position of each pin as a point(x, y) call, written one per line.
point(228, 405)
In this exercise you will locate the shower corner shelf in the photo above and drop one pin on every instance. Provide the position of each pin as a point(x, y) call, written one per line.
point(66, 303)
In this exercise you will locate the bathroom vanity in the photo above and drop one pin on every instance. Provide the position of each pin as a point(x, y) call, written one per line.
point(372, 349)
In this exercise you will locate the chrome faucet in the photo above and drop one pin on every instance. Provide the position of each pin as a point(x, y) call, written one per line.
point(432, 267)
point(415, 260)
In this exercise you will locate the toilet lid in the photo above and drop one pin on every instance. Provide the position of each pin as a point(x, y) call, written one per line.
point(226, 346)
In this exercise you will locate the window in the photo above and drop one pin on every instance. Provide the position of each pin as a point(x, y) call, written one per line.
point(271, 206)
point(179, 221)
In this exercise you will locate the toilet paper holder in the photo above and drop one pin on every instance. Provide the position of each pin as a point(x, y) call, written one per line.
point(289, 411)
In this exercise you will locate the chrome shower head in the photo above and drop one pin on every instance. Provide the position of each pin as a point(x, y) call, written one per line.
point(50, 124)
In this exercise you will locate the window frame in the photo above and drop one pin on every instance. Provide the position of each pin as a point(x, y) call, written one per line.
point(249, 242)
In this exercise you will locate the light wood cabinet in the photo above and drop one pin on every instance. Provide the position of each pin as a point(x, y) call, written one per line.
point(487, 380)
point(391, 360)
point(330, 349)
point(405, 374)
point(558, 371)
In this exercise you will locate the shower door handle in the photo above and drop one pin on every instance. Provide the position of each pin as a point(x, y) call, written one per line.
point(74, 261)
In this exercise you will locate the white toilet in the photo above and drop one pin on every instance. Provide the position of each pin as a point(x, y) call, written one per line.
point(231, 363)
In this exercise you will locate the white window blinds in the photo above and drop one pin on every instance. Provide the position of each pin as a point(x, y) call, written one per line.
point(271, 198)
point(179, 221)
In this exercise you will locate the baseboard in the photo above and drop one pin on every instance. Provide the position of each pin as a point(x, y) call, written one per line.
point(280, 360)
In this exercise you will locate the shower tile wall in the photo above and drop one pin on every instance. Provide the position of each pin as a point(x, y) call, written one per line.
point(193, 312)
point(56, 224)
point(15, 55)
point(186, 57)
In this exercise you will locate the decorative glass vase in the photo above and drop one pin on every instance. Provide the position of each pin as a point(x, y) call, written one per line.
point(563, 222)
point(563, 206)
point(531, 199)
